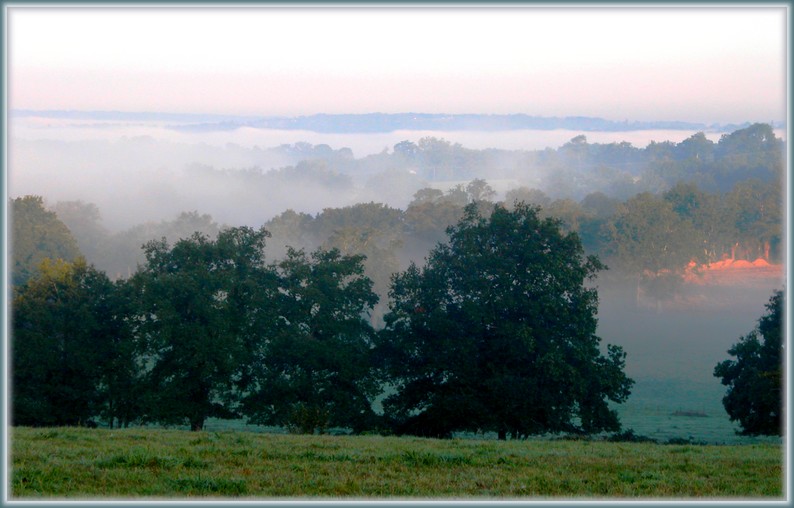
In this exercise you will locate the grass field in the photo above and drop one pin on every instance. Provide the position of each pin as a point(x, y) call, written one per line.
point(166, 463)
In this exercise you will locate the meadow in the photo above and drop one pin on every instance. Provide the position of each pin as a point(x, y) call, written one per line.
point(141, 463)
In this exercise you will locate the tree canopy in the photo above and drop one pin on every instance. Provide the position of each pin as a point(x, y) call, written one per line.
point(62, 337)
point(497, 332)
point(313, 371)
point(201, 308)
point(37, 233)
point(755, 378)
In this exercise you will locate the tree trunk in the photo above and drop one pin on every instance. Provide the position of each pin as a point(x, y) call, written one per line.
point(502, 435)
point(196, 423)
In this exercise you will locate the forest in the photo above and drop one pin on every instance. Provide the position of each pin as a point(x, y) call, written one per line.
point(378, 318)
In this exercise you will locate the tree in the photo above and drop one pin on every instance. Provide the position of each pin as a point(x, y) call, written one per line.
point(479, 190)
point(752, 152)
point(291, 229)
point(755, 378)
point(203, 308)
point(37, 233)
point(528, 196)
point(426, 195)
point(497, 332)
point(124, 252)
point(755, 210)
point(59, 345)
point(704, 211)
point(393, 186)
point(85, 223)
point(568, 211)
point(697, 148)
point(121, 364)
point(428, 216)
point(652, 242)
point(315, 371)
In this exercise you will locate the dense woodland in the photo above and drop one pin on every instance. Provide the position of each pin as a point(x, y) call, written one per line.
point(309, 320)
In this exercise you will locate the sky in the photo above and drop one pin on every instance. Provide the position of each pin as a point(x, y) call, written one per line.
point(706, 64)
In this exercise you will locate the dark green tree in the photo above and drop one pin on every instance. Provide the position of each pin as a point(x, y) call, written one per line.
point(203, 308)
point(755, 378)
point(122, 362)
point(497, 333)
point(315, 371)
point(60, 342)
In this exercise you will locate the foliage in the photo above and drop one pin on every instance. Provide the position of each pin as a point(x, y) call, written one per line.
point(628, 436)
point(121, 366)
point(124, 253)
point(62, 337)
point(37, 233)
point(526, 195)
point(202, 307)
point(497, 332)
point(372, 230)
point(314, 371)
point(647, 234)
point(755, 211)
point(755, 378)
point(85, 223)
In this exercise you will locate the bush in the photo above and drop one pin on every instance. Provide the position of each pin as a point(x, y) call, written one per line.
point(628, 436)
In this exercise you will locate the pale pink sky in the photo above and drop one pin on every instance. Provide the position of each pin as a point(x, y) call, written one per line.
point(707, 64)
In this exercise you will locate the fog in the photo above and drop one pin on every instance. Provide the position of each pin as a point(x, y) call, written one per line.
point(137, 173)
point(682, 342)
point(141, 171)
point(31, 128)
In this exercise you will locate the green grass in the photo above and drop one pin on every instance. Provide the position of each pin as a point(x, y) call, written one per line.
point(651, 411)
point(161, 463)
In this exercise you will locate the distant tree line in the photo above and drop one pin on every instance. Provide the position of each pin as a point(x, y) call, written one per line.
point(577, 168)
point(652, 238)
point(727, 196)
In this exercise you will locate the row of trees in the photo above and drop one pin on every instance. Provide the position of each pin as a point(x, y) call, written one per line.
point(578, 167)
point(496, 332)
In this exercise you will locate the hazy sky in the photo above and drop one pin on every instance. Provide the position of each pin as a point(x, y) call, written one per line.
point(709, 64)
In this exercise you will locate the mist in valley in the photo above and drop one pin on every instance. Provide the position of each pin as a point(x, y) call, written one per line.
point(146, 171)
point(152, 182)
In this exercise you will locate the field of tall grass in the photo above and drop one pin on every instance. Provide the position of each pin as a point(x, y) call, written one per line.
point(147, 463)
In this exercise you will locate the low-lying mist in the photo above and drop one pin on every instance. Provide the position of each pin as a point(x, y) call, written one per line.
point(682, 342)
point(138, 172)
